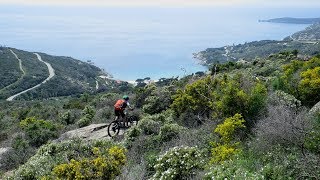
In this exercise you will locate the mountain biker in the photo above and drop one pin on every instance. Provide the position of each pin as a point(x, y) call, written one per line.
point(120, 106)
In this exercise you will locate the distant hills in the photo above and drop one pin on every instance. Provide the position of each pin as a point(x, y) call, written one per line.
point(307, 42)
point(72, 76)
point(290, 20)
point(311, 33)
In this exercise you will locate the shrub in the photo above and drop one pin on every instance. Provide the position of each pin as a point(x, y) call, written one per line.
point(84, 121)
point(158, 100)
point(277, 163)
point(163, 117)
point(151, 160)
point(257, 101)
point(18, 154)
point(301, 79)
point(309, 85)
point(149, 126)
point(221, 97)
point(179, 163)
point(103, 115)
point(284, 99)
point(67, 118)
point(50, 155)
point(227, 129)
point(89, 112)
point(231, 170)
point(169, 132)
point(227, 147)
point(131, 135)
point(190, 119)
point(222, 152)
point(106, 164)
point(312, 141)
point(39, 131)
point(282, 125)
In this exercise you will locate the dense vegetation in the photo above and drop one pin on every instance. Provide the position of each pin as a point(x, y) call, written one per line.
point(32, 77)
point(246, 120)
point(255, 118)
point(72, 77)
point(10, 71)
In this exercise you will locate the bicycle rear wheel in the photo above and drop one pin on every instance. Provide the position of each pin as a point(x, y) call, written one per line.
point(113, 128)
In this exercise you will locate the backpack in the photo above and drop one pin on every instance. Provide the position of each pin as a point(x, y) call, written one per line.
point(119, 104)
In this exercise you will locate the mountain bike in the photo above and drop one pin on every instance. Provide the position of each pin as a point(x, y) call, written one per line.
point(115, 126)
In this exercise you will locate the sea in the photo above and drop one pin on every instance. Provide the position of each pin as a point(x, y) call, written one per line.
point(139, 42)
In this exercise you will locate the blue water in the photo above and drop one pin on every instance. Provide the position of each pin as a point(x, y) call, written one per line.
point(133, 43)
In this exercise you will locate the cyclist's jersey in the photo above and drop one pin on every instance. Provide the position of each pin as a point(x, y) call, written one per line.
point(121, 104)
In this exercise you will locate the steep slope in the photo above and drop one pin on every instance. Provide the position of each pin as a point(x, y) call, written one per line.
point(71, 76)
point(51, 75)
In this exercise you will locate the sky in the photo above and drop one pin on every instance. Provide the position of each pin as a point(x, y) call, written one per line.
point(165, 3)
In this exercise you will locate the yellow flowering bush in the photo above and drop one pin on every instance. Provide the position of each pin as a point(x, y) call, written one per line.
point(106, 164)
point(227, 129)
point(227, 147)
point(301, 79)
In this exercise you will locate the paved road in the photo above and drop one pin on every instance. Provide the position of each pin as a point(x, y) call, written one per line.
point(51, 75)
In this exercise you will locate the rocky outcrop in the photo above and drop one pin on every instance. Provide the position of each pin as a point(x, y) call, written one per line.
point(91, 132)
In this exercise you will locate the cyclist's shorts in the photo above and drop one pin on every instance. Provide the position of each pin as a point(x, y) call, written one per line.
point(119, 113)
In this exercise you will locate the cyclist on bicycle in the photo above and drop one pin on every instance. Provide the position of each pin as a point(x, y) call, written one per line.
point(120, 106)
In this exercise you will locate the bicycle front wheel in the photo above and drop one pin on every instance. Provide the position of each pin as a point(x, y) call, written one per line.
point(113, 128)
point(132, 121)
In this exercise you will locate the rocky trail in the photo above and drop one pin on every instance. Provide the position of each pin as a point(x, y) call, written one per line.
point(91, 132)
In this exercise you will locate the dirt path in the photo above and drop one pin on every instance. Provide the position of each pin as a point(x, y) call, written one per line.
point(51, 75)
point(20, 63)
point(21, 69)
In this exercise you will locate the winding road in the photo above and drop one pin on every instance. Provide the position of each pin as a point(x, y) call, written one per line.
point(51, 75)
point(21, 69)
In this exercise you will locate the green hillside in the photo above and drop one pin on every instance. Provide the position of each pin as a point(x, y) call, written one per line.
point(306, 42)
point(72, 77)
point(310, 34)
point(10, 71)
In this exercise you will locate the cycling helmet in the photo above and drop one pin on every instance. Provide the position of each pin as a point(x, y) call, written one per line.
point(125, 97)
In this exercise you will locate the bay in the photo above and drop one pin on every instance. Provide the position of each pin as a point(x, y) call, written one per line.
point(132, 43)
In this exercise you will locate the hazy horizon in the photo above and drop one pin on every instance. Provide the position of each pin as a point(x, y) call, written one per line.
point(166, 3)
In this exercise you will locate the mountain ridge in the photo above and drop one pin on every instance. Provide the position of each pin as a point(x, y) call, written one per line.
point(21, 70)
